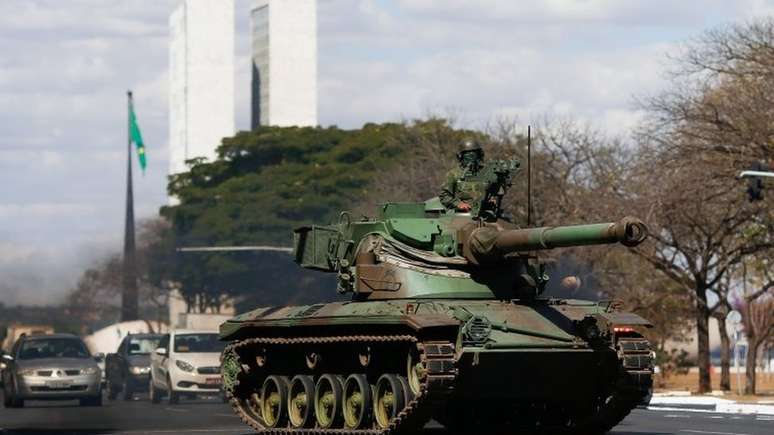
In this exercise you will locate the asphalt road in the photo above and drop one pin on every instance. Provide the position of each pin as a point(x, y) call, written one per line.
point(212, 417)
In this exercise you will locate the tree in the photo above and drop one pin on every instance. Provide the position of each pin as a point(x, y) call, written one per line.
point(698, 221)
point(418, 176)
point(758, 320)
point(96, 297)
point(723, 94)
point(713, 122)
point(267, 182)
point(720, 313)
point(755, 302)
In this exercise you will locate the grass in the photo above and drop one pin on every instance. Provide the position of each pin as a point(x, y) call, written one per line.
point(690, 382)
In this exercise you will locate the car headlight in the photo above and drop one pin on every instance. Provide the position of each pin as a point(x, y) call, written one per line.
point(26, 372)
point(90, 371)
point(184, 366)
point(139, 370)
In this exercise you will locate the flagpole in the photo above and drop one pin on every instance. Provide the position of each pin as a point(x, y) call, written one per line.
point(129, 300)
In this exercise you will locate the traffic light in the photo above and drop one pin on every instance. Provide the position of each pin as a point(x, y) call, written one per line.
point(755, 184)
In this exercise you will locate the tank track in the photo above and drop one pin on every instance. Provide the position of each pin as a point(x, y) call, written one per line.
point(637, 360)
point(437, 357)
point(633, 388)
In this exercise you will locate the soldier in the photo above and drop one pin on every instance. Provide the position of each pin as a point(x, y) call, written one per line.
point(461, 191)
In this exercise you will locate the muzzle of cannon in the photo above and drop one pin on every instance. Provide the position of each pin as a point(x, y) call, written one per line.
point(488, 244)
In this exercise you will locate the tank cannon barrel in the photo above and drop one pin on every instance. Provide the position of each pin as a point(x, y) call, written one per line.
point(487, 243)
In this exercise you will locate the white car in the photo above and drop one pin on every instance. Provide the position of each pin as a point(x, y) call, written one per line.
point(186, 363)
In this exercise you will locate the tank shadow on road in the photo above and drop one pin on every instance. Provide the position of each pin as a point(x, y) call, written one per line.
point(32, 431)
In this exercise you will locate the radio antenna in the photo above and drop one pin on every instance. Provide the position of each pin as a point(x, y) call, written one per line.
point(529, 175)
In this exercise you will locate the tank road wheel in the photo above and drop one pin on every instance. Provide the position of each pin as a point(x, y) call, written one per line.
point(327, 400)
point(357, 402)
point(408, 395)
point(415, 371)
point(252, 406)
point(389, 400)
point(299, 406)
point(275, 400)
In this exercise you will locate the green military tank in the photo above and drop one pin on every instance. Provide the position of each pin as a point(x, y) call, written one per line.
point(446, 322)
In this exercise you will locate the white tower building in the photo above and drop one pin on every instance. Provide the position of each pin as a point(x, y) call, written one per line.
point(284, 66)
point(201, 79)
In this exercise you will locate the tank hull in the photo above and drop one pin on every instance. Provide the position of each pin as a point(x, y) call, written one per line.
point(512, 357)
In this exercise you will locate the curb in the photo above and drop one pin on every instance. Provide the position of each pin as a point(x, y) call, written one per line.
point(707, 404)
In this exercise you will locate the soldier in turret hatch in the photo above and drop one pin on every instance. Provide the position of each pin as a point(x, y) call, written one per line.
point(462, 190)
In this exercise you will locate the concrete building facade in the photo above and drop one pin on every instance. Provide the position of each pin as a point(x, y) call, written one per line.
point(201, 79)
point(284, 63)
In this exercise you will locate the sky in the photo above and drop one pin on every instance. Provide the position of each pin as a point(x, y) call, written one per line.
point(65, 67)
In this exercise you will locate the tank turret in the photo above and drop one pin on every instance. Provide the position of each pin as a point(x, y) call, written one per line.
point(423, 250)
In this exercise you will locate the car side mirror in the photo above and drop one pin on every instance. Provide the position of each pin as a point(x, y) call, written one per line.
point(7, 357)
point(99, 356)
point(161, 351)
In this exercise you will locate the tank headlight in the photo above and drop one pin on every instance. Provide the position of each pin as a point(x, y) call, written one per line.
point(588, 329)
point(592, 331)
point(184, 366)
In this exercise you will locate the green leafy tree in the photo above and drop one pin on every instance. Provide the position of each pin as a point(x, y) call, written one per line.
point(265, 183)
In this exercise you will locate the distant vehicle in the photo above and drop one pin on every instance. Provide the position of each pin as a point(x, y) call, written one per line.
point(186, 362)
point(16, 330)
point(128, 370)
point(50, 367)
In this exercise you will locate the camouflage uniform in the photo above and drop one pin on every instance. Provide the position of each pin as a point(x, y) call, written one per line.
point(461, 186)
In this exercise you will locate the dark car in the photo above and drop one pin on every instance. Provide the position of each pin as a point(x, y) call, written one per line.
point(50, 367)
point(128, 370)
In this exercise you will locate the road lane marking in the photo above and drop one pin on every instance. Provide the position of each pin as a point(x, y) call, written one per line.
point(715, 416)
point(677, 416)
point(713, 433)
point(667, 409)
point(225, 415)
point(176, 409)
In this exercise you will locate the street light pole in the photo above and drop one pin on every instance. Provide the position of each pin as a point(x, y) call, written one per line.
point(750, 174)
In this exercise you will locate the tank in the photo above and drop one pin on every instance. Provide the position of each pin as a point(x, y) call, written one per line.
point(446, 321)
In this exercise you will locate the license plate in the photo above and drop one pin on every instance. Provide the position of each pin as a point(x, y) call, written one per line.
point(213, 381)
point(57, 385)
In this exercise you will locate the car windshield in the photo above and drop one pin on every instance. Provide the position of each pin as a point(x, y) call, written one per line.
point(143, 346)
point(53, 348)
point(188, 343)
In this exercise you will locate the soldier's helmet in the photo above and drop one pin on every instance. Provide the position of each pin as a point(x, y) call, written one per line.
point(470, 146)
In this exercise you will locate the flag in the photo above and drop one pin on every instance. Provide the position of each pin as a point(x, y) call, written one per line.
point(136, 137)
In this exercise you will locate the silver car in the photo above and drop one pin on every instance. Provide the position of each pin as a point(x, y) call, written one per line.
point(51, 367)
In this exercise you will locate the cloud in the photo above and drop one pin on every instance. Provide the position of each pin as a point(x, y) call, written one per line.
point(486, 81)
